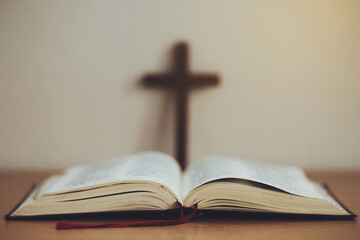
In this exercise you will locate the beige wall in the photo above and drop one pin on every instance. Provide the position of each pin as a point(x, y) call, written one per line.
point(70, 72)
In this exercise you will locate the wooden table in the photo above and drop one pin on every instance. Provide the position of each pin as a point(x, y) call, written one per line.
point(345, 184)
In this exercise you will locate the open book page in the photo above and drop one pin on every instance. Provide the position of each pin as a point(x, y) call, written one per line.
point(152, 166)
point(329, 198)
point(289, 179)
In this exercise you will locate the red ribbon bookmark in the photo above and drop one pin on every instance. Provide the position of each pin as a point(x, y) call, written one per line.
point(180, 220)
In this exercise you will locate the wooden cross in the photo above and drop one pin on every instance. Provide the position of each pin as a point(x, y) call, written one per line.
point(180, 81)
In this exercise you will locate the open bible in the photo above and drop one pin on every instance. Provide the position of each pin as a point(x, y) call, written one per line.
point(153, 181)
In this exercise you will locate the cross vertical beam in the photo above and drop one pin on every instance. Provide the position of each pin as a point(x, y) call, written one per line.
point(181, 56)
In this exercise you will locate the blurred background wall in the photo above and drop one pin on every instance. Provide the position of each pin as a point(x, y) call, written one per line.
point(70, 73)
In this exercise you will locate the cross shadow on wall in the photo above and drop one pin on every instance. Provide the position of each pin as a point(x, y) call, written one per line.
point(158, 125)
